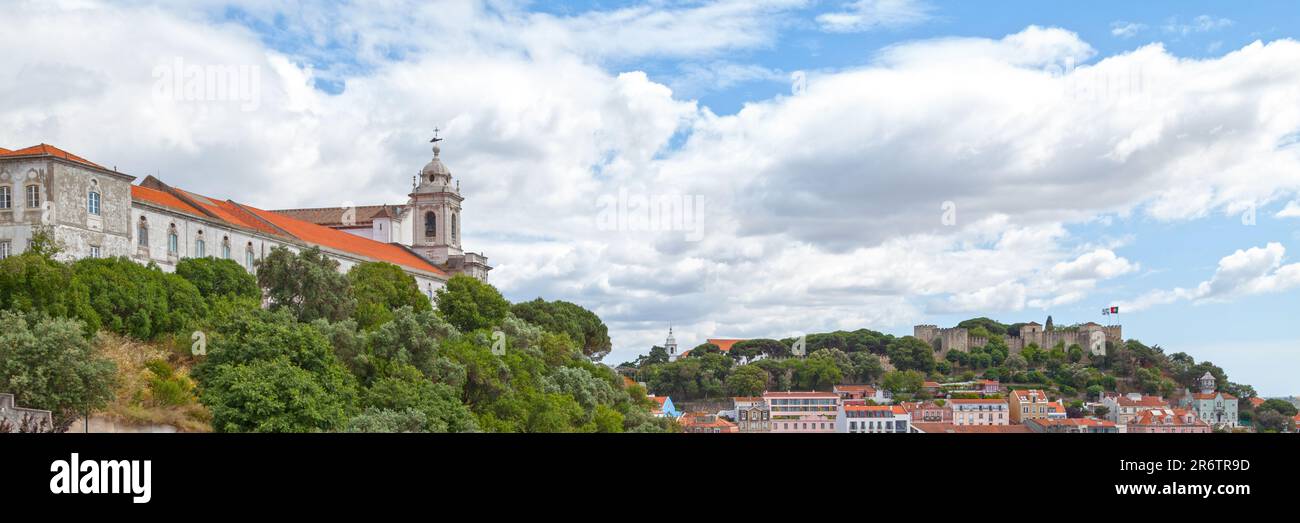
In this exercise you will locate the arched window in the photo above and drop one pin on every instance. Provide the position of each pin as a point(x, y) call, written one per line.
point(200, 247)
point(455, 226)
point(6, 197)
point(225, 247)
point(430, 224)
point(92, 198)
point(248, 256)
point(173, 241)
point(142, 232)
point(33, 196)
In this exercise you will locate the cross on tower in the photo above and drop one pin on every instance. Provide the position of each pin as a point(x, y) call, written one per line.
point(435, 139)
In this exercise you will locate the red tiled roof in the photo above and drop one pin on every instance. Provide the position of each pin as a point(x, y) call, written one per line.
point(659, 399)
point(1089, 422)
point(1157, 417)
point(982, 400)
point(701, 420)
point(1023, 394)
point(724, 343)
point(896, 409)
point(351, 243)
point(1256, 401)
point(1146, 401)
point(164, 199)
point(49, 150)
point(1212, 395)
point(1056, 407)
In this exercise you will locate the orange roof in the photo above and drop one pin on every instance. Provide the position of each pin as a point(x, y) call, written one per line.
point(724, 343)
point(346, 242)
point(1091, 422)
point(896, 409)
point(1212, 395)
point(1056, 407)
point(705, 420)
point(49, 150)
point(164, 199)
point(3, 150)
point(1146, 401)
point(1256, 401)
point(659, 399)
point(982, 400)
point(1023, 394)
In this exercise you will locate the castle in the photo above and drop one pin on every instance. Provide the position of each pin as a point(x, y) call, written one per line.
point(1091, 336)
point(93, 211)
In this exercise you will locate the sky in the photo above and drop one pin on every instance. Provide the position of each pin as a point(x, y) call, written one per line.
point(813, 165)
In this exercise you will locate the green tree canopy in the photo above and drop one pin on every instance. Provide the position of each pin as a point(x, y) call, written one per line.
point(470, 304)
point(582, 325)
point(217, 278)
point(307, 284)
point(381, 288)
point(47, 363)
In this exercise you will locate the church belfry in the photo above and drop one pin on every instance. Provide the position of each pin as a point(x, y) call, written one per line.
point(435, 202)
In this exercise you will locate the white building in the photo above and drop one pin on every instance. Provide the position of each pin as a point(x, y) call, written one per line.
point(93, 211)
point(980, 411)
point(860, 419)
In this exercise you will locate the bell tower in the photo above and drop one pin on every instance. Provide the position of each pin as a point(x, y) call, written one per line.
point(435, 202)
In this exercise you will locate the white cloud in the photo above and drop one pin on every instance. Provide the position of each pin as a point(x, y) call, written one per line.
point(1292, 210)
point(865, 15)
point(1126, 29)
point(1258, 270)
point(1200, 24)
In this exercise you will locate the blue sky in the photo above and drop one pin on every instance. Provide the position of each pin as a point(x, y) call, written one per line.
point(824, 204)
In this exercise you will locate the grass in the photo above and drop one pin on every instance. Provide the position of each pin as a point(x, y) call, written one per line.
point(138, 368)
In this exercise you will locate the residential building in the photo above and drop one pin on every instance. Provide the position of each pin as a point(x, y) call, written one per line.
point(872, 419)
point(1122, 408)
point(1072, 425)
point(860, 393)
point(803, 411)
point(928, 412)
point(706, 423)
point(752, 414)
point(664, 407)
point(987, 411)
point(1167, 421)
point(1056, 410)
point(1027, 404)
point(1219, 409)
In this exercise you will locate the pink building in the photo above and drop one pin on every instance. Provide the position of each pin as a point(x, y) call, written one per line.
point(803, 411)
point(928, 412)
point(989, 411)
point(1167, 421)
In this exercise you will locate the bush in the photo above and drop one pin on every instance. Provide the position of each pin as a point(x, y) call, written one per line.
point(270, 396)
point(143, 302)
point(307, 284)
point(48, 363)
point(218, 278)
point(35, 283)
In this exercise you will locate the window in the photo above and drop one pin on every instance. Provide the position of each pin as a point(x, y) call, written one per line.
point(6, 199)
point(430, 224)
point(200, 250)
point(248, 256)
point(94, 251)
point(92, 203)
point(142, 233)
point(225, 248)
point(33, 196)
point(454, 226)
point(4, 250)
point(173, 242)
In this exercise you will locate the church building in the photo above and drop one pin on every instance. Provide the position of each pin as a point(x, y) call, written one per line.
point(93, 211)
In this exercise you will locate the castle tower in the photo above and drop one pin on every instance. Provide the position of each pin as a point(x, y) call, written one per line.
point(435, 202)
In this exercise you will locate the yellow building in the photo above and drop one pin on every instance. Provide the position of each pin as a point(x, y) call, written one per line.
point(1028, 404)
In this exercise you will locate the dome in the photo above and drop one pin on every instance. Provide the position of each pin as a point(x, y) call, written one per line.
point(435, 166)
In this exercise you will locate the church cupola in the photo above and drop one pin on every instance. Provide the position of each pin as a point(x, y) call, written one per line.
point(436, 205)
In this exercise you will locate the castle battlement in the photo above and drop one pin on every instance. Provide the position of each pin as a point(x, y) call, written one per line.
point(1092, 337)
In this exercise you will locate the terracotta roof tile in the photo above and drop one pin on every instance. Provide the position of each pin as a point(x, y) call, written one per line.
point(724, 343)
point(941, 428)
point(164, 199)
point(333, 216)
point(50, 150)
point(350, 243)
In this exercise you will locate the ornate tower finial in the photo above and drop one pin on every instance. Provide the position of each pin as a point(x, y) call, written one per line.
point(434, 141)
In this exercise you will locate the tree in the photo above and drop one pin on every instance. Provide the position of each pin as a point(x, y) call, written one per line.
point(1273, 421)
point(747, 380)
point(909, 353)
point(470, 304)
point(217, 278)
point(903, 382)
point(1282, 407)
point(405, 388)
point(48, 364)
point(137, 300)
point(35, 282)
point(381, 288)
point(867, 367)
point(307, 284)
point(582, 325)
point(269, 396)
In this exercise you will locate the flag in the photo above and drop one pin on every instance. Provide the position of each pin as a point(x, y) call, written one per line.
point(1114, 310)
point(1105, 311)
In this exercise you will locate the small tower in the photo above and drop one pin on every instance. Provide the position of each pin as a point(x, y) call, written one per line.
point(671, 342)
point(1208, 383)
point(436, 204)
point(1049, 326)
